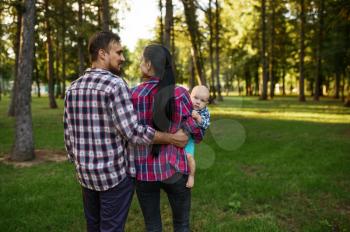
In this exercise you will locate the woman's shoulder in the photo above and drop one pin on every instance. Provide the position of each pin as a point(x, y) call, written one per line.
point(143, 88)
point(181, 91)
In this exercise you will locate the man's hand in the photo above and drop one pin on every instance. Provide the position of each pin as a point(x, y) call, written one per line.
point(179, 139)
point(196, 116)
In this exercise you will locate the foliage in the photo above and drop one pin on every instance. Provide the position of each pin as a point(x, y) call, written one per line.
point(239, 46)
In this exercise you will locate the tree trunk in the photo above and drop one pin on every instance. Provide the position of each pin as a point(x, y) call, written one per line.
point(11, 110)
point(256, 79)
point(343, 88)
point(239, 86)
point(284, 81)
point(211, 51)
point(1, 86)
point(263, 51)
point(49, 59)
point(217, 49)
point(23, 148)
point(302, 52)
point(347, 101)
point(80, 38)
point(161, 25)
point(337, 84)
point(248, 81)
point(63, 49)
point(192, 23)
point(105, 15)
point(58, 77)
point(36, 79)
point(193, 75)
point(168, 23)
point(272, 52)
point(318, 84)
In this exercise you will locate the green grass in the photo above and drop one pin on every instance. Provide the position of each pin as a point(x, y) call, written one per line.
point(267, 166)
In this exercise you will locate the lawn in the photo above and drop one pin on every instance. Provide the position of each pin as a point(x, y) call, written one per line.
point(267, 166)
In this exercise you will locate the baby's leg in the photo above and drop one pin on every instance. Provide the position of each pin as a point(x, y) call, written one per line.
point(192, 165)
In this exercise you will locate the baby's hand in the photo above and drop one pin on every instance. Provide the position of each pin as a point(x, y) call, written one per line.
point(196, 116)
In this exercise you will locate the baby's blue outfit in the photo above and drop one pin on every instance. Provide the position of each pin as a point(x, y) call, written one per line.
point(204, 113)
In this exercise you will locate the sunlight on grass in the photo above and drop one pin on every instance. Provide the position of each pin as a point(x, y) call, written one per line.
point(294, 116)
point(283, 108)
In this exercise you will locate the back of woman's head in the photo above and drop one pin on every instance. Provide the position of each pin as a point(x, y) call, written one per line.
point(155, 54)
point(164, 101)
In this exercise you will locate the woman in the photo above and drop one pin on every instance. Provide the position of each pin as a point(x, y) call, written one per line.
point(166, 107)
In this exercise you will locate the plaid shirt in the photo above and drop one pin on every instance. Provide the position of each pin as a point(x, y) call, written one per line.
point(171, 159)
point(99, 121)
point(204, 113)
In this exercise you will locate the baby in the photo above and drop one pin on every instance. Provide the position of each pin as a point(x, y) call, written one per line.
point(200, 100)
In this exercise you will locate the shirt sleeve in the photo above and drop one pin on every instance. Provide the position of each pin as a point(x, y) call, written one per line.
point(188, 123)
point(205, 119)
point(67, 137)
point(125, 118)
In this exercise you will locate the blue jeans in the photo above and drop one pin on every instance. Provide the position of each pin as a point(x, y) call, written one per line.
point(106, 211)
point(148, 194)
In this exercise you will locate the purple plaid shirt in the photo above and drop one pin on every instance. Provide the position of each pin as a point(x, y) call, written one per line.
point(171, 159)
point(99, 121)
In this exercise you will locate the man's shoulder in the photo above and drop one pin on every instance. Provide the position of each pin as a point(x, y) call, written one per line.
point(101, 81)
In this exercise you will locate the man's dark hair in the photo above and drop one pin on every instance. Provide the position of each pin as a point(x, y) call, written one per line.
point(101, 40)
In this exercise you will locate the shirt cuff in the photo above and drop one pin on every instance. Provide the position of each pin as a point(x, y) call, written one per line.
point(150, 133)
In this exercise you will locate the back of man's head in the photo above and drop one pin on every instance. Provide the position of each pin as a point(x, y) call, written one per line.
point(101, 40)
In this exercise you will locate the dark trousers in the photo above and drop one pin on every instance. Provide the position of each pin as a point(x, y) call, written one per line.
point(148, 194)
point(106, 211)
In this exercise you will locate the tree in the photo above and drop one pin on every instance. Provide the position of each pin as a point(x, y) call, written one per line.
point(80, 38)
point(168, 22)
point(318, 73)
point(263, 50)
point(272, 49)
point(23, 148)
point(192, 24)
point(161, 31)
point(63, 49)
point(302, 52)
point(105, 15)
point(19, 9)
point(217, 49)
point(49, 58)
point(211, 49)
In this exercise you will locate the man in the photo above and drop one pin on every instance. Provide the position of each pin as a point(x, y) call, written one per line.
point(99, 122)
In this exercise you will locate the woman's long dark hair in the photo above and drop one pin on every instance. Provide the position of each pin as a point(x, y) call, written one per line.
point(164, 101)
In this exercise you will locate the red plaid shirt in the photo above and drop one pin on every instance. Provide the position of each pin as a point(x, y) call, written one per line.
point(171, 159)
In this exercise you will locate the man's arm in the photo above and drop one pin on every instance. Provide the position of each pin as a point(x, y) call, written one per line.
point(179, 139)
point(67, 142)
point(125, 119)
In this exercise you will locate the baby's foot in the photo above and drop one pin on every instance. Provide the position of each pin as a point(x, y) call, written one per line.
point(190, 181)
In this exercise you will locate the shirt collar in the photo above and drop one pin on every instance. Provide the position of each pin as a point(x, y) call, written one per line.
point(152, 80)
point(99, 70)
point(203, 110)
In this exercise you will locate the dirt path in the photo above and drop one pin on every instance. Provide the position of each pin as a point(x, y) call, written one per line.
point(41, 156)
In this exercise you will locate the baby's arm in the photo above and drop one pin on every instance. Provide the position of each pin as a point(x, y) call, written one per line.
point(196, 116)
